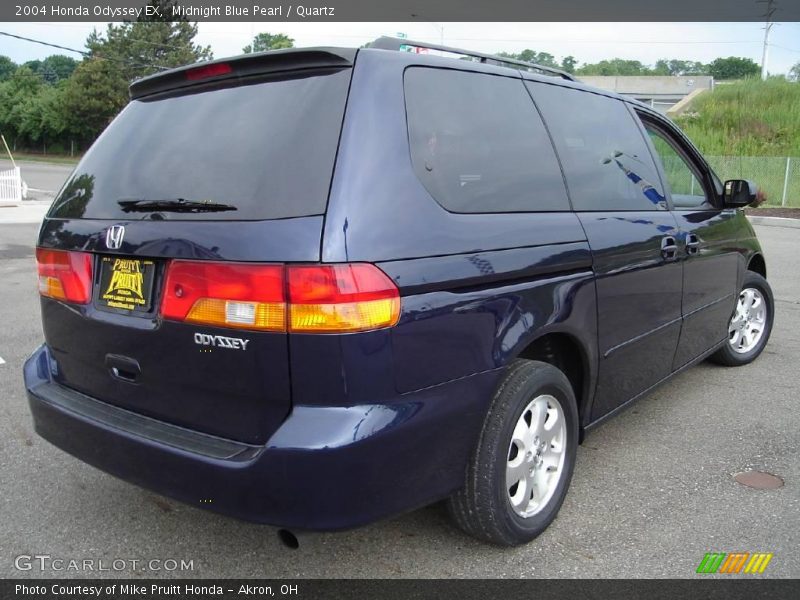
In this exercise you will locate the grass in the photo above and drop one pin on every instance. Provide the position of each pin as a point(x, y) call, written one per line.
point(747, 118)
point(746, 130)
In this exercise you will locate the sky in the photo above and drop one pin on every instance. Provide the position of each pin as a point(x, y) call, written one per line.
point(587, 42)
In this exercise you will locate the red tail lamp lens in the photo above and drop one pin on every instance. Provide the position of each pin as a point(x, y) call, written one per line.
point(321, 298)
point(65, 275)
point(225, 294)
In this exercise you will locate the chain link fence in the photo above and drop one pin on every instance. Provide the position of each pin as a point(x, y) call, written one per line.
point(778, 176)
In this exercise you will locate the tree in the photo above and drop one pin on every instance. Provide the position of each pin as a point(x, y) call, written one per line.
point(150, 44)
point(680, 67)
point(532, 56)
point(268, 41)
point(30, 111)
point(7, 68)
point(124, 53)
point(615, 66)
point(15, 96)
point(54, 68)
point(57, 67)
point(92, 97)
point(33, 65)
point(57, 99)
point(569, 63)
point(794, 73)
point(733, 68)
point(42, 117)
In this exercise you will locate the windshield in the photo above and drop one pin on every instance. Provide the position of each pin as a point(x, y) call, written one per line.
point(265, 150)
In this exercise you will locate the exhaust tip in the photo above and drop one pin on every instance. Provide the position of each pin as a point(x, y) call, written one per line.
point(288, 539)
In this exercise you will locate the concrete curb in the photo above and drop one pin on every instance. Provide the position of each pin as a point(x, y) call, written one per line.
point(774, 221)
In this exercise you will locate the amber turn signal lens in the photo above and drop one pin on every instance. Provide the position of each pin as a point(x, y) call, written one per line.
point(341, 298)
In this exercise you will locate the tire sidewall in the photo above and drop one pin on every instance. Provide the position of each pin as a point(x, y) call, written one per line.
point(547, 380)
point(753, 280)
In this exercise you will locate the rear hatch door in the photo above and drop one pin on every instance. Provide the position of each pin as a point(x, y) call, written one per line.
point(218, 165)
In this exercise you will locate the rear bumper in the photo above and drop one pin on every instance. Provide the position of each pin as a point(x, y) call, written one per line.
point(325, 468)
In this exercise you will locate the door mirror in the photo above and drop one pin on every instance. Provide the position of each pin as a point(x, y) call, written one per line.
point(738, 193)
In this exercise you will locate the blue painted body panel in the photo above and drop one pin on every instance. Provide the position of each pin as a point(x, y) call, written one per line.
point(369, 461)
point(382, 421)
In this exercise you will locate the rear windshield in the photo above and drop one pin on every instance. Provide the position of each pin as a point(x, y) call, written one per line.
point(255, 151)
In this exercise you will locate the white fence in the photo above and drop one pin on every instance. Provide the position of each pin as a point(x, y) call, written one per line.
point(11, 185)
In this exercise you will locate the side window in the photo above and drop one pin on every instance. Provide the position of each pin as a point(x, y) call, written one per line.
point(683, 178)
point(478, 144)
point(606, 160)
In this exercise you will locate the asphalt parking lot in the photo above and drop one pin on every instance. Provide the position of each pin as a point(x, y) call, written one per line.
point(653, 489)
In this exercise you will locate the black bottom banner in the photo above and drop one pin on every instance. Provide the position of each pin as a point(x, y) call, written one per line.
point(406, 589)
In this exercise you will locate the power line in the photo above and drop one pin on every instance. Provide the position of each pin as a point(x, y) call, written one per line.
point(19, 37)
point(774, 45)
point(83, 52)
point(149, 43)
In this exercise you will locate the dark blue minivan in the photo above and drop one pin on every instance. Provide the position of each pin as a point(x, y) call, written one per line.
point(317, 287)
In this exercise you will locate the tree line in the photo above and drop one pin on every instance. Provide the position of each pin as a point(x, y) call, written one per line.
point(732, 67)
point(61, 103)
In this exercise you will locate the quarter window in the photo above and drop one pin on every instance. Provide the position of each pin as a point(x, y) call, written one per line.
point(606, 161)
point(683, 179)
point(478, 144)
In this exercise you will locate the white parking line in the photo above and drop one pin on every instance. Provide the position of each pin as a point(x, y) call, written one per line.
point(2, 362)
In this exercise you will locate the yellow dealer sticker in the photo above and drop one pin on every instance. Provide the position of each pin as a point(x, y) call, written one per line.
point(126, 283)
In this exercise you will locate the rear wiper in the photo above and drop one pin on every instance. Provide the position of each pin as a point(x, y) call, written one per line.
point(173, 205)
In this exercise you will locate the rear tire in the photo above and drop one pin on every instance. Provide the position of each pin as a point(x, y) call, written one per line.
point(518, 478)
point(750, 325)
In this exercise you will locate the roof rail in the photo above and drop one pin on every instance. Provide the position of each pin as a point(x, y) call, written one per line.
point(390, 43)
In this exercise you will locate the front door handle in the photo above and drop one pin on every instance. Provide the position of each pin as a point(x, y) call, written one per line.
point(692, 244)
point(669, 247)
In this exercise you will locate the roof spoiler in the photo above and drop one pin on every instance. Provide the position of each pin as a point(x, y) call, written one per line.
point(390, 43)
point(258, 63)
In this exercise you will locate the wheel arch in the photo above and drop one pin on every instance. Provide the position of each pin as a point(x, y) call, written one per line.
point(566, 352)
point(757, 264)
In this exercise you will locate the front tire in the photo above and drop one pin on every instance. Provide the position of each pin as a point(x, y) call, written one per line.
point(750, 325)
point(518, 478)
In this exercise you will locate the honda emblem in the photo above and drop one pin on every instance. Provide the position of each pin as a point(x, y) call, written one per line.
point(114, 237)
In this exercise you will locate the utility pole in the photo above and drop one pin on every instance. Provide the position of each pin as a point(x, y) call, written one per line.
point(771, 8)
point(440, 29)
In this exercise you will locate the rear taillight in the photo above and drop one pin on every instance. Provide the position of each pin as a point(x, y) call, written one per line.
point(65, 275)
point(226, 294)
point(301, 298)
point(340, 298)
